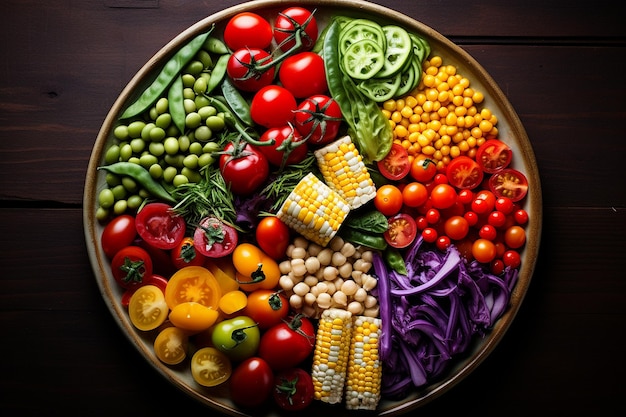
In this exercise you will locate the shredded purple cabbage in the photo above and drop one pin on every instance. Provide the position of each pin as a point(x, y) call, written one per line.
point(431, 315)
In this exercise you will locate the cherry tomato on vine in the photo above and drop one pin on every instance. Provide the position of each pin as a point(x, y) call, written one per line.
point(493, 156)
point(509, 183)
point(293, 389)
point(395, 165)
point(245, 78)
point(214, 238)
point(388, 199)
point(131, 266)
point(287, 344)
point(117, 234)
point(248, 30)
point(318, 119)
point(186, 254)
point(287, 141)
point(303, 74)
point(157, 224)
point(401, 232)
point(290, 19)
point(238, 338)
point(423, 169)
point(251, 382)
point(267, 308)
point(273, 236)
point(244, 170)
point(273, 106)
point(464, 173)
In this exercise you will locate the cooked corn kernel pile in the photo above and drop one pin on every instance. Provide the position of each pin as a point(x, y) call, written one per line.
point(440, 119)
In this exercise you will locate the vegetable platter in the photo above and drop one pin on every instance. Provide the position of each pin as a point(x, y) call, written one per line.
point(426, 279)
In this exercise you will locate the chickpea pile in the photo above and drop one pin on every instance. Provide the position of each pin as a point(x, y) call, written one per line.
point(316, 278)
point(440, 118)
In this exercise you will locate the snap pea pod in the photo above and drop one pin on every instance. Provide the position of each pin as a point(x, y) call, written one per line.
point(217, 73)
point(236, 102)
point(143, 178)
point(171, 69)
point(393, 258)
point(175, 101)
point(374, 241)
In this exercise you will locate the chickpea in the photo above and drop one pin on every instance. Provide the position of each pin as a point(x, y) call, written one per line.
point(348, 250)
point(312, 264)
point(360, 295)
point(370, 301)
point(301, 289)
point(298, 253)
point(349, 287)
point(340, 299)
point(284, 267)
point(345, 270)
point(286, 283)
point(324, 300)
point(369, 282)
point(309, 299)
point(338, 259)
point(298, 267)
point(355, 308)
point(330, 273)
point(325, 256)
point(300, 242)
point(336, 243)
point(295, 301)
point(314, 249)
point(310, 280)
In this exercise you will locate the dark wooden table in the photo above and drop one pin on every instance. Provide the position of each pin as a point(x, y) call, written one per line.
point(562, 65)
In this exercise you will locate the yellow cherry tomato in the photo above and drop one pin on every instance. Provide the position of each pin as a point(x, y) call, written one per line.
point(255, 269)
point(210, 367)
point(147, 308)
point(193, 317)
point(171, 345)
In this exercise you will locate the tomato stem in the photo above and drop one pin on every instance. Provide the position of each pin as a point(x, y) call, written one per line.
point(134, 270)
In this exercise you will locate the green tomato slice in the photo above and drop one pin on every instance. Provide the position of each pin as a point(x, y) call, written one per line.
point(380, 89)
point(421, 48)
point(359, 29)
point(398, 51)
point(410, 77)
point(363, 59)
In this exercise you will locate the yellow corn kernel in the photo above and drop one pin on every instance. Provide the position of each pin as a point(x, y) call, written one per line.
point(363, 379)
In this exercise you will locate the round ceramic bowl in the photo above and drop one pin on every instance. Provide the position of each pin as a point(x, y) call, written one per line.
point(509, 127)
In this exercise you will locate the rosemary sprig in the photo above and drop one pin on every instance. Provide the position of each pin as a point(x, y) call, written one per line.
point(286, 180)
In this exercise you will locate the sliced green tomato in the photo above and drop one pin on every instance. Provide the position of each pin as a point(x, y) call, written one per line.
point(410, 77)
point(398, 51)
point(363, 59)
point(380, 89)
point(359, 29)
point(421, 48)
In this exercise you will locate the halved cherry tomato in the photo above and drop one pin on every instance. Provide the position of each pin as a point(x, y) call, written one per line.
point(395, 165)
point(288, 144)
point(243, 76)
point(509, 183)
point(117, 234)
point(131, 266)
point(303, 74)
point(171, 345)
point(267, 307)
point(210, 367)
point(255, 268)
point(214, 238)
point(251, 383)
point(273, 236)
point(186, 254)
point(156, 280)
point(463, 172)
point(286, 23)
point(245, 169)
point(248, 30)
point(288, 343)
point(293, 389)
point(423, 169)
point(493, 156)
point(147, 308)
point(193, 316)
point(402, 231)
point(388, 199)
point(157, 224)
point(318, 119)
point(193, 283)
point(273, 106)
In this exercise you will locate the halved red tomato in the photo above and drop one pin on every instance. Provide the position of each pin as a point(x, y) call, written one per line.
point(464, 173)
point(214, 238)
point(395, 165)
point(493, 156)
point(402, 231)
point(509, 183)
point(157, 224)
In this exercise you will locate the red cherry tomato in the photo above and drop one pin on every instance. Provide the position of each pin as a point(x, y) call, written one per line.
point(131, 266)
point(414, 194)
point(251, 382)
point(488, 232)
point(288, 20)
point(504, 205)
point(509, 183)
point(287, 344)
point(247, 30)
point(423, 169)
point(511, 258)
point(117, 234)
point(484, 202)
point(293, 389)
point(273, 237)
point(493, 156)
point(402, 231)
point(243, 171)
point(273, 106)
point(443, 243)
point(521, 216)
point(430, 235)
point(456, 227)
point(443, 196)
point(245, 78)
point(395, 165)
point(157, 224)
point(463, 172)
point(267, 308)
point(318, 119)
point(515, 237)
point(288, 141)
point(303, 74)
point(215, 239)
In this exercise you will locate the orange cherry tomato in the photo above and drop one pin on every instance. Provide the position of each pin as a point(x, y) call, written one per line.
point(388, 199)
point(414, 194)
point(170, 345)
point(483, 250)
point(255, 269)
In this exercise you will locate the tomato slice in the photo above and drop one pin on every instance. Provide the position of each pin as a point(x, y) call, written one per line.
point(193, 316)
point(396, 164)
point(493, 156)
point(509, 183)
point(210, 367)
point(171, 345)
point(402, 231)
point(464, 173)
point(214, 238)
point(157, 224)
point(193, 283)
point(147, 308)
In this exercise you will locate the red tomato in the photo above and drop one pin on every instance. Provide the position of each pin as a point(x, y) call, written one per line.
point(246, 78)
point(493, 156)
point(284, 28)
point(463, 172)
point(509, 183)
point(303, 74)
point(214, 239)
point(287, 141)
point(248, 30)
point(484, 202)
point(157, 224)
point(456, 227)
point(156, 280)
point(318, 119)
point(414, 194)
point(443, 196)
point(465, 196)
point(443, 243)
point(511, 258)
point(131, 266)
point(293, 389)
point(483, 250)
point(504, 205)
point(117, 234)
point(251, 382)
point(244, 170)
point(186, 254)
point(402, 231)
point(273, 106)
point(515, 237)
point(395, 165)
point(267, 307)
point(430, 235)
point(288, 344)
point(273, 236)
point(521, 216)
point(423, 169)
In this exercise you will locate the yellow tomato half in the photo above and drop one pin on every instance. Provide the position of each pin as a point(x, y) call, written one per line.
point(147, 308)
point(193, 317)
point(193, 283)
point(210, 367)
point(170, 345)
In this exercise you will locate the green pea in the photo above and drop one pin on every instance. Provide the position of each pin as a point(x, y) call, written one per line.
point(156, 148)
point(205, 58)
point(112, 180)
point(156, 171)
point(203, 133)
point(153, 113)
point(200, 86)
point(134, 202)
point(205, 159)
point(112, 154)
point(189, 105)
point(210, 147)
point(193, 120)
point(121, 132)
point(129, 184)
point(194, 68)
point(120, 207)
point(169, 173)
point(162, 105)
point(102, 214)
point(164, 120)
point(191, 174)
point(126, 151)
point(135, 128)
point(183, 143)
point(145, 132)
point(201, 101)
point(189, 94)
point(188, 80)
point(180, 179)
point(174, 160)
point(119, 192)
point(215, 123)
point(147, 160)
point(206, 76)
point(195, 148)
point(191, 161)
point(143, 193)
point(106, 198)
point(157, 134)
point(171, 146)
point(133, 160)
point(206, 111)
point(137, 145)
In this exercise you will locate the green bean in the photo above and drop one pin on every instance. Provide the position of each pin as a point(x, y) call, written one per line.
point(143, 177)
point(169, 71)
point(218, 72)
point(216, 46)
point(236, 102)
point(176, 105)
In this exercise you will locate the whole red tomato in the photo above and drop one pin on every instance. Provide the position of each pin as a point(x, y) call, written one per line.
point(287, 141)
point(293, 389)
point(117, 234)
point(303, 74)
point(248, 29)
point(244, 167)
point(130, 266)
point(288, 344)
point(273, 236)
point(318, 119)
point(273, 106)
point(241, 69)
point(251, 382)
point(284, 28)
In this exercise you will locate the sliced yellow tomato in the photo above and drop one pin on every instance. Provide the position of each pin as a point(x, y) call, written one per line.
point(193, 316)
point(193, 283)
point(224, 279)
point(171, 345)
point(147, 308)
point(210, 367)
point(233, 301)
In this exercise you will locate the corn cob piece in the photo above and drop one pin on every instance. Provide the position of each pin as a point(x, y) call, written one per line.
point(345, 172)
point(314, 210)
point(363, 378)
point(330, 358)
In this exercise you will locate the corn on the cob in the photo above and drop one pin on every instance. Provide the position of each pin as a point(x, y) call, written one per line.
point(314, 210)
point(330, 358)
point(363, 379)
point(343, 170)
